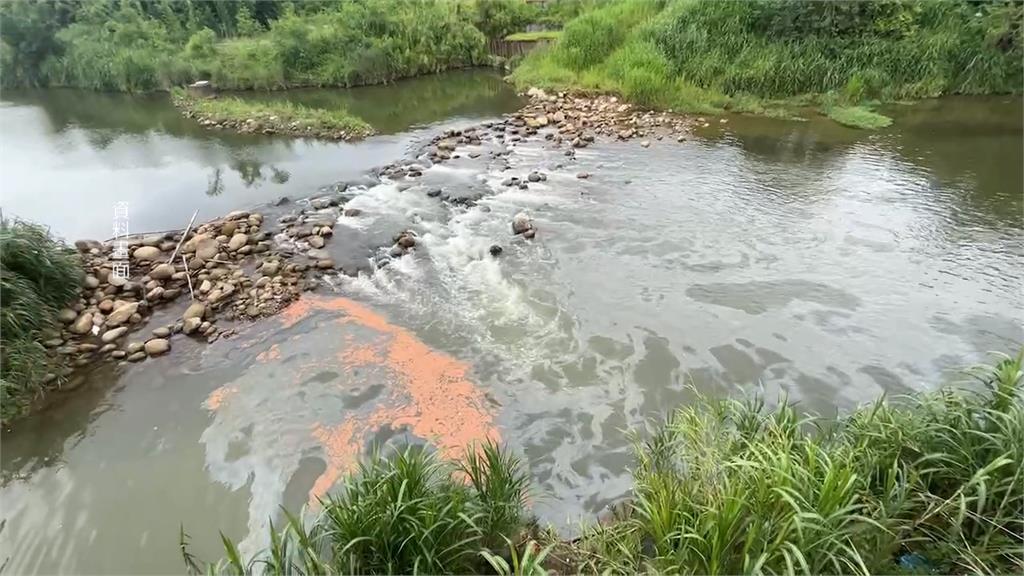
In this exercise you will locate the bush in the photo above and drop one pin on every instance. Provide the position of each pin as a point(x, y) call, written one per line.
point(39, 275)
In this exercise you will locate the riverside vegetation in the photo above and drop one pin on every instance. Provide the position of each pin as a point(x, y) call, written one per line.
point(38, 276)
point(777, 58)
point(922, 484)
point(142, 45)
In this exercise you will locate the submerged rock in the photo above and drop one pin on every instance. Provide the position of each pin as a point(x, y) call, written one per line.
point(521, 223)
point(157, 346)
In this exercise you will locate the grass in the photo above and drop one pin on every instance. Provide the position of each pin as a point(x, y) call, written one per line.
point(278, 116)
point(534, 36)
point(409, 513)
point(858, 117)
point(930, 483)
point(707, 56)
point(39, 275)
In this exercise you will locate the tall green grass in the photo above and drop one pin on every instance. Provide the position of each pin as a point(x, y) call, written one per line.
point(39, 275)
point(730, 487)
point(409, 513)
point(706, 55)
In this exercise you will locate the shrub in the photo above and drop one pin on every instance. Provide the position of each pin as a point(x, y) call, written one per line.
point(39, 275)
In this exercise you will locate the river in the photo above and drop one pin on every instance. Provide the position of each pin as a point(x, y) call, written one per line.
point(759, 256)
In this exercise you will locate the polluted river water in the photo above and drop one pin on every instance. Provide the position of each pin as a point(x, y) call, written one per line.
point(757, 256)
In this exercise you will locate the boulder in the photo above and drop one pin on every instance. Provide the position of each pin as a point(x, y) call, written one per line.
point(147, 253)
point(114, 334)
point(521, 223)
point(122, 314)
point(157, 346)
point(195, 310)
point(83, 325)
point(162, 272)
point(237, 241)
point(190, 325)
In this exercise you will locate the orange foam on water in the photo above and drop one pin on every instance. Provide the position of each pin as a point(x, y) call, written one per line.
point(431, 391)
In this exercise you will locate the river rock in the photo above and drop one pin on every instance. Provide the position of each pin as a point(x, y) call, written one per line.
point(237, 241)
point(137, 356)
point(529, 234)
point(157, 346)
point(406, 241)
point(91, 282)
point(87, 245)
point(228, 228)
point(145, 253)
point(237, 215)
point(155, 294)
point(162, 272)
point(521, 223)
point(195, 310)
point(67, 315)
point(83, 325)
point(316, 241)
point(118, 354)
point(123, 314)
point(533, 177)
point(352, 212)
point(646, 144)
point(133, 347)
point(325, 264)
point(117, 281)
point(495, 250)
point(106, 306)
point(190, 325)
point(153, 240)
point(207, 248)
point(162, 332)
point(114, 334)
point(271, 267)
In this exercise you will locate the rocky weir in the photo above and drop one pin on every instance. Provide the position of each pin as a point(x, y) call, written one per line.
point(201, 282)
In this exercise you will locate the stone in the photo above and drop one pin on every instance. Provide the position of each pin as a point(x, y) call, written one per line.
point(162, 332)
point(133, 347)
point(106, 306)
point(83, 325)
point(270, 267)
point(146, 253)
point(533, 177)
point(155, 293)
point(67, 315)
point(162, 272)
point(190, 325)
point(207, 249)
point(228, 228)
point(237, 215)
point(157, 346)
point(205, 287)
point(92, 282)
point(137, 356)
point(583, 175)
point(114, 334)
point(117, 281)
point(195, 310)
point(53, 342)
point(87, 245)
point(645, 143)
point(352, 212)
point(237, 241)
point(122, 314)
point(325, 264)
point(318, 254)
point(521, 223)
point(529, 234)
point(495, 250)
point(153, 240)
point(316, 241)
point(118, 354)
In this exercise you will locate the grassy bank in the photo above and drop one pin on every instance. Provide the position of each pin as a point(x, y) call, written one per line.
point(39, 275)
point(924, 484)
point(280, 117)
point(775, 57)
point(141, 45)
